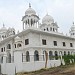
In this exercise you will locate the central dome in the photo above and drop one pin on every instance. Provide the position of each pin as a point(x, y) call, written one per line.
point(30, 11)
point(47, 19)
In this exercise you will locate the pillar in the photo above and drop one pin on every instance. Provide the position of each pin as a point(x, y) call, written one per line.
point(31, 52)
point(23, 25)
point(12, 51)
point(4, 57)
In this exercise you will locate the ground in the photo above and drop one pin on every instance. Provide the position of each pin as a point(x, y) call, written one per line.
point(61, 70)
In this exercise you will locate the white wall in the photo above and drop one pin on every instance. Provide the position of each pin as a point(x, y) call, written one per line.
point(9, 68)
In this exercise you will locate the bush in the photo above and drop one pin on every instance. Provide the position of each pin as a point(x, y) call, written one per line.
point(67, 58)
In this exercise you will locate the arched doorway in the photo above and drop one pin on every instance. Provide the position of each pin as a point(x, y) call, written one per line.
point(56, 55)
point(64, 52)
point(50, 55)
point(8, 58)
point(36, 56)
point(27, 56)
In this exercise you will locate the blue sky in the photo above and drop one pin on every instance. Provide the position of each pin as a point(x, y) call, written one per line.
point(11, 12)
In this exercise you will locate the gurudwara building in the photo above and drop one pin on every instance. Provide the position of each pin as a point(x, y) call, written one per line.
point(27, 50)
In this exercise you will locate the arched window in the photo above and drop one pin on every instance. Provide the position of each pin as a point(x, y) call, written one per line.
point(50, 28)
point(15, 45)
point(34, 21)
point(71, 53)
point(44, 29)
point(36, 56)
point(56, 55)
point(50, 55)
point(14, 32)
point(2, 59)
point(27, 56)
point(31, 22)
point(8, 46)
point(9, 58)
point(47, 29)
point(28, 21)
point(19, 45)
point(53, 29)
point(68, 53)
point(64, 52)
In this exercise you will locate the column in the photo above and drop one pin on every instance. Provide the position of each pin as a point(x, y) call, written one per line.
point(23, 25)
point(31, 52)
point(4, 57)
point(12, 51)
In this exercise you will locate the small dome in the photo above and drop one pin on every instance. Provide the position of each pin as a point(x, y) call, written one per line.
point(3, 28)
point(30, 11)
point(47, 19)
point(73, 27)
point(17, 39)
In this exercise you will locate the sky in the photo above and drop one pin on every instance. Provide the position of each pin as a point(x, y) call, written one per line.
point(11, 12)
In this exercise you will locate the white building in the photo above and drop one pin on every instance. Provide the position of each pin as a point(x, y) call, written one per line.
point(25, 51)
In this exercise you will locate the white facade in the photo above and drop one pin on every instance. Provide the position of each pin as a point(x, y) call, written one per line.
point(25, 51)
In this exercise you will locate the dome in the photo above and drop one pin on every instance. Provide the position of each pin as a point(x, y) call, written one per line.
point(47, 19)
point(30, 11)
point(73, 27)
point(3, 28)
point(17, 39)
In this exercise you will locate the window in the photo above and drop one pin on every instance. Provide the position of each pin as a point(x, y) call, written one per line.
point(68, 53)
point(8, 46)
point(50, 55)
point(56, 55)
point(8, 57)
point(15, 45)
point(31, 22)
point(22, 57)
point(53, 29)
point(36, 56)
point(50, 28)
point(27, 56)
point(43, 41)
point(26, 41)
point(14, 32)
point(73, 33)
point(19, 45)
point(44, 29)
point(71, 45)
point(28, 21)
point(2, 59)
point(1, 49)
point(55, 43)
point(64, 44)
point(64, 52)
point(47, 29)
point(4, 48)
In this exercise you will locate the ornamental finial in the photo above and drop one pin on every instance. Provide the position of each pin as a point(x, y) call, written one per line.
point(73, 23)
point(3, 25)
point(29, 5)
